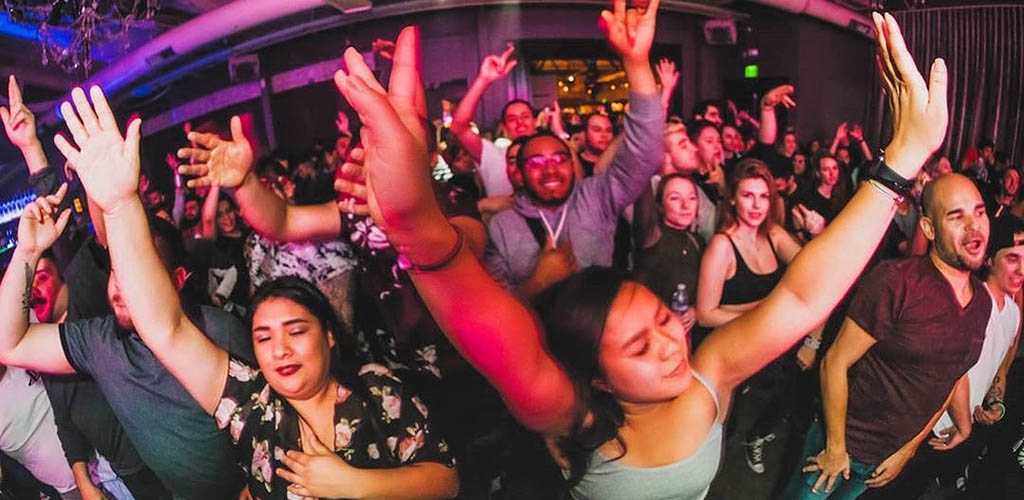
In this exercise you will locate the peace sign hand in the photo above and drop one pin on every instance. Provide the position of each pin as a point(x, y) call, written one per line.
point(106, 162)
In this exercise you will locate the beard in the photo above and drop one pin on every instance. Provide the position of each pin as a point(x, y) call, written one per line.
point(548, 201)
point(958, 259)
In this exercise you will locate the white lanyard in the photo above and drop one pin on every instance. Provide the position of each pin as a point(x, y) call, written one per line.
point(561, 223)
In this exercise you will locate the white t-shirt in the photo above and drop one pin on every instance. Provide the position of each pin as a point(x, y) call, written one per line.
point(493, 174)
point(1002, 328)
point(28, 433)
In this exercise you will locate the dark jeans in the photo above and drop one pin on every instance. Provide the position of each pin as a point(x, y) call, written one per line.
point(20, 483)
point(145, 484)
point(801, 483)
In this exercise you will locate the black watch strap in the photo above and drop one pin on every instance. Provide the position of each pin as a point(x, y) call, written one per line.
point(880, 172)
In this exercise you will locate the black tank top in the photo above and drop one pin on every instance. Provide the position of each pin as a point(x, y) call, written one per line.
point(745, 286)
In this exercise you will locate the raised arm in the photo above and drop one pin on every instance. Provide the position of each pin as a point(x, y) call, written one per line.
point(33, 347)
point(498, 335)
point(228, 163)
point(826, 268)
point(20, 125)
point(108, 166)
point(492, 68)
point(768, 131)
point(643, 149)
point(669, 79)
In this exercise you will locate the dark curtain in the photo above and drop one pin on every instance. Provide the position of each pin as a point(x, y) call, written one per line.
point(984, 51)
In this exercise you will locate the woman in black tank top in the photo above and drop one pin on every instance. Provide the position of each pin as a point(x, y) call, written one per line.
point(736, 269)
point(749, 239)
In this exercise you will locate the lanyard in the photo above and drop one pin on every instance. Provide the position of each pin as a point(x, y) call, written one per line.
point(561, 224)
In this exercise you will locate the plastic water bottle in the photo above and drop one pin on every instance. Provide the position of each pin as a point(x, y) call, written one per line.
point(680, 303)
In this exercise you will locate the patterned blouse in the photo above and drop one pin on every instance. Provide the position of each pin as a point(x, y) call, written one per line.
point(382, 427)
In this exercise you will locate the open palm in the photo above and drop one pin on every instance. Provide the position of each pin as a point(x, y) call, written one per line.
point(394, 133)
point(107, 163)
point(218, 162)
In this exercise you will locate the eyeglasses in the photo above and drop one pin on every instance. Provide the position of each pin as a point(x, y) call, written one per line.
point(541, 161)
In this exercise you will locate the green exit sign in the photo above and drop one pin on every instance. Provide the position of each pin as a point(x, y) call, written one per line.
point(750, 71)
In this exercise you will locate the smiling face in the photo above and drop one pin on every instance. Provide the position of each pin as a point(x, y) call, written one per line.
point(547, 170)
point(679, 203)
point(752, 201)
point(643, 353)
point(519, 120)
point(292, 349)
point(1006, 268)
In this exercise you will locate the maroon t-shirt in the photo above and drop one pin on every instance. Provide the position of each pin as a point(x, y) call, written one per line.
point(926, 341)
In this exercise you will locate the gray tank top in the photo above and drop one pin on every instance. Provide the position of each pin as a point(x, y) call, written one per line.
point(687, 479)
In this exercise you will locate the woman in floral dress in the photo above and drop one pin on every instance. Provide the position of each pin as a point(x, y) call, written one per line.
point(305, 422)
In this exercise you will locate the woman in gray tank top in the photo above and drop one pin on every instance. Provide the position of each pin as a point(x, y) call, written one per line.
point(603, 370)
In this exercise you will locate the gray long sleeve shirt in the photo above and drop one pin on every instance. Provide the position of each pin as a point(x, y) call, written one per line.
point(593, 206)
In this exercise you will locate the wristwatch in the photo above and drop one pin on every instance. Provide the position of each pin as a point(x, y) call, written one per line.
point(880, 172)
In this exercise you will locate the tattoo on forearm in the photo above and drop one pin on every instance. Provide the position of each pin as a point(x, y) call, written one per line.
point(26, 296)
point(995, 392)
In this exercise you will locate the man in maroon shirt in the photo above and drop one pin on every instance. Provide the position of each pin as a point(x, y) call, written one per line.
point(913, 330)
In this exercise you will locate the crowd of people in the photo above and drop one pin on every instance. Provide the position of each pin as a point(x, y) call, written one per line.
point(569, 307)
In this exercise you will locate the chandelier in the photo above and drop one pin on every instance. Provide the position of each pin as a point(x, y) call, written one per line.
point(69, 30)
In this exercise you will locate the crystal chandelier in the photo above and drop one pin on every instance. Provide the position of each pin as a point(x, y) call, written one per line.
point(70, 29)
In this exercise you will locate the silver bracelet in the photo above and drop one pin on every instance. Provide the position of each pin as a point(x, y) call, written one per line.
point(886, 191)
point(812, 343)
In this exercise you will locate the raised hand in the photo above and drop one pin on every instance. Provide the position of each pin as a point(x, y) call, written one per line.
point(783, 94)
point(106, 162)
point(841, 131)
point(666, 70)
point(394, 134)
point(19, 122)
point(384, 48)
point(216, 161)
point(855, 132)
point(495, 66)
point(630, 31)
point(40, 224)
point(352, 182)
point(919, 111)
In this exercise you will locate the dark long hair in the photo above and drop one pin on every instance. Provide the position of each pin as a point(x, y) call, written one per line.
point(573, 313)
point(343, 360)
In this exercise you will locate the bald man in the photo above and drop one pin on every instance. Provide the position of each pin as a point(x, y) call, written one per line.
point(914, 328)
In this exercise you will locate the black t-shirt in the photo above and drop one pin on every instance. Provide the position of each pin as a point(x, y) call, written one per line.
point(394, 320)
point(171, 432)
point(234, 248)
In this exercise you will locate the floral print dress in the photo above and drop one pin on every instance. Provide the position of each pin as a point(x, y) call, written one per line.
point(380, 427)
